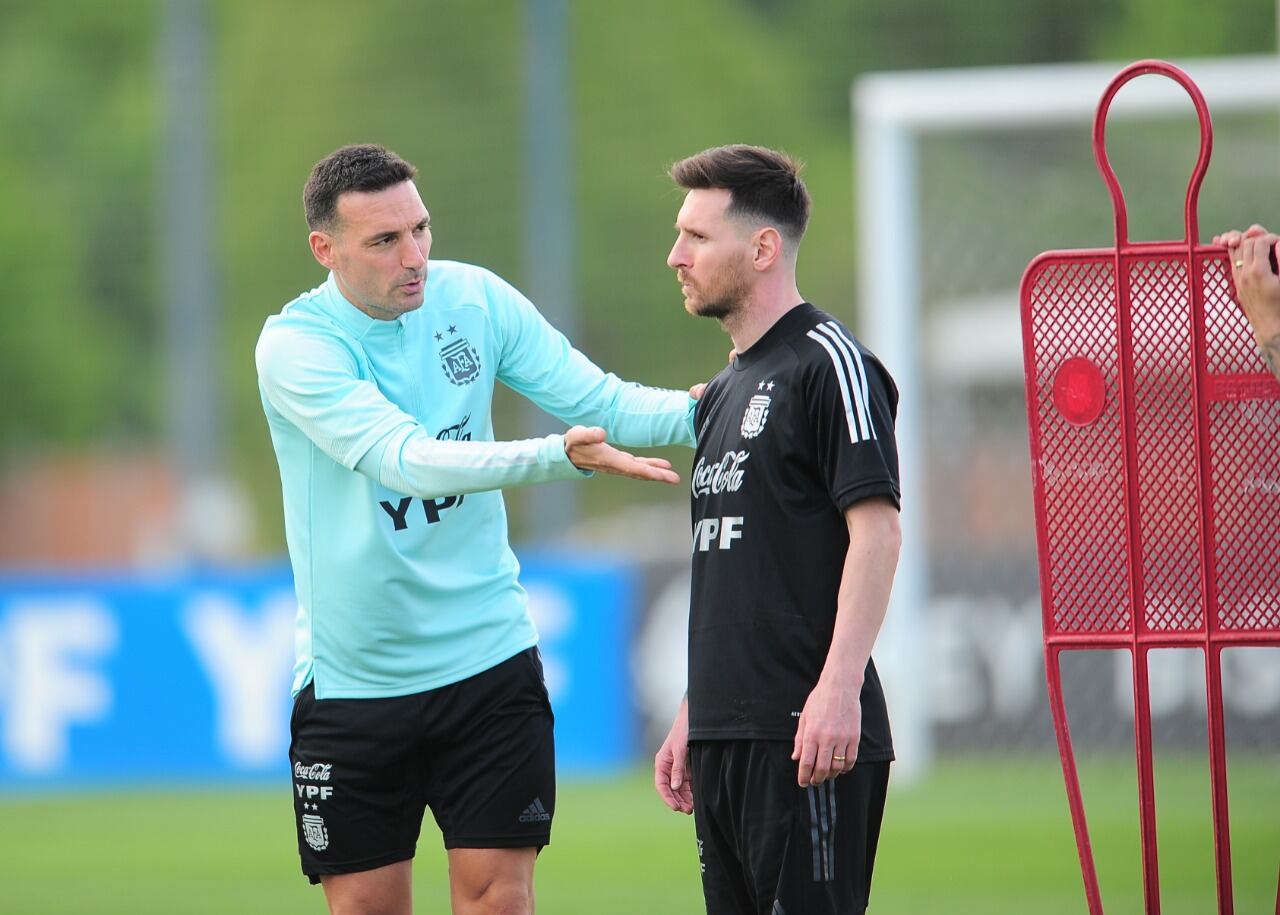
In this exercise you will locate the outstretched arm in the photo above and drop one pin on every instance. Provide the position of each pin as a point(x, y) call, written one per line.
point(311, 381)
point(539, 362)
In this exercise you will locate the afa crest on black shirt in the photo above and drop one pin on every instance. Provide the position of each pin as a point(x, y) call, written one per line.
point(793, 432)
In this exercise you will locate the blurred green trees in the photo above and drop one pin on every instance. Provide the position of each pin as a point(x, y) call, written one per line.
point(439, 82)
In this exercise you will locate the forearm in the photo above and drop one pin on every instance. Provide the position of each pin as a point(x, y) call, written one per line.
point(1269, 347)
point(631, 414)
point(865, 586)
point(414, 463)
point(640, 417)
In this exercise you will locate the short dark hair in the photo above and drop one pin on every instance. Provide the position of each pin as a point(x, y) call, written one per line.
point(763, 184)
point(362, 167)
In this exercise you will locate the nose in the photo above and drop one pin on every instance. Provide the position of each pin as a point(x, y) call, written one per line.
point(413, 252)
point(676, 259)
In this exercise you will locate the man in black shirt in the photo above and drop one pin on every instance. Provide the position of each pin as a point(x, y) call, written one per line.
point(781, 749)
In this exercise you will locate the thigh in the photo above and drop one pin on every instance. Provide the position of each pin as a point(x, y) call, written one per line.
point(358, 798)
point(769, 845)
point(387, 890)
point(491, 779)
point(716, 819)
point(825, 865)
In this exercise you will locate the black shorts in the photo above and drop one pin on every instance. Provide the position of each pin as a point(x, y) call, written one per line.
point(480, 753)
point(769, 846)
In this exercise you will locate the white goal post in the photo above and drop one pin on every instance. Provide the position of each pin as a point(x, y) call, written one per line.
point(892, 113)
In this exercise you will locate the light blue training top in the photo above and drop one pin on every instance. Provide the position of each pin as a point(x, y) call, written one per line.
point(395, 524)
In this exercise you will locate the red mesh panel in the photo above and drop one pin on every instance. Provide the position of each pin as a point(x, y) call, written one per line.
point(1229, 346)
point(1244, 436)
point(1079, 468)
point(1246, 496)
point(1081, 477)
point(1165, 444)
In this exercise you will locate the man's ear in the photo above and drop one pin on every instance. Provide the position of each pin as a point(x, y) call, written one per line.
point(322, 248)
point(768, 248)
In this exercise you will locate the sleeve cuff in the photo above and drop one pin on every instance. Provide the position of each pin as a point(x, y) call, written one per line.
point(558, 460)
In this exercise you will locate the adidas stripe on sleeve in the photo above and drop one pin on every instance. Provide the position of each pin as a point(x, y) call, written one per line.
point(852, 404)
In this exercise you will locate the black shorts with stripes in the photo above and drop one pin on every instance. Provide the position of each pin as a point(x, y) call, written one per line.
point(771, 847)
point(480, 753)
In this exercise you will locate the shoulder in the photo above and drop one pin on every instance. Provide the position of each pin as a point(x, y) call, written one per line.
point(816, 339)
point(296, 338)
point(827, 349)
point(461, 283)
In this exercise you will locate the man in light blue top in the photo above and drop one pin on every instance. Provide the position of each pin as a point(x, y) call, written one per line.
point(418, 683)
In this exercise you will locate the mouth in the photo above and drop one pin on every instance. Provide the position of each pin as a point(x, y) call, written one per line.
point(413, 285)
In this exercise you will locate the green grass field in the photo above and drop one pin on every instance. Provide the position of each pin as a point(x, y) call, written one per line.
point(977, 837)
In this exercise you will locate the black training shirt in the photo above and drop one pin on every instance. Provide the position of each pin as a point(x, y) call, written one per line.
point(792, 433)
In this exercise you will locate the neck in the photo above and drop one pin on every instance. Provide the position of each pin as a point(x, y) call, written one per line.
point(760, 312)
point(373, 311)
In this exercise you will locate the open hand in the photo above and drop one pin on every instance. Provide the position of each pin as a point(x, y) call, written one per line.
point(588, 450)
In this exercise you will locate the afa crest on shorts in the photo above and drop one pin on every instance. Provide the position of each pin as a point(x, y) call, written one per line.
point(757, 414)
point(460, 361)
point(313, 829)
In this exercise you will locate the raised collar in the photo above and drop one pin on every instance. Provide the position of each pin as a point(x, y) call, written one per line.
point(352, 319)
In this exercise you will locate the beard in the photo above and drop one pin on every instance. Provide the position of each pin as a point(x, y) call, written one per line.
point(724, 295)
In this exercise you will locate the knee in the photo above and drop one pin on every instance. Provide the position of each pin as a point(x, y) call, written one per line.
point(498, 897)
point(385, 891)
point(366, 906)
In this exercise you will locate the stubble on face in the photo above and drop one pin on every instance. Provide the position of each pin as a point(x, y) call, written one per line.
point(720, 296)
point(375, 280)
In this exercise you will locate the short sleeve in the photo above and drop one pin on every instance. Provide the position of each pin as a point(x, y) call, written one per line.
point(852, 403)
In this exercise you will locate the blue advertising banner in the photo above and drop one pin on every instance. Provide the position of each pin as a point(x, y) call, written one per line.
point(132, 678)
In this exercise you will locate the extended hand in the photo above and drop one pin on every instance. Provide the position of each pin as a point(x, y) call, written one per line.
point(830, 726)
point(588, 450)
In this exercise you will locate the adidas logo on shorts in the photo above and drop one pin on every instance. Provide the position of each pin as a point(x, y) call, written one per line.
point(535, 813)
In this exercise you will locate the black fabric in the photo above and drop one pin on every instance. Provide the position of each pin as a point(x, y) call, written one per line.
point(768, 846)
point(480, 753)
point(793, 432)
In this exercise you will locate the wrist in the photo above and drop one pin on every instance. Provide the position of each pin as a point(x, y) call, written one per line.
point(849, 678)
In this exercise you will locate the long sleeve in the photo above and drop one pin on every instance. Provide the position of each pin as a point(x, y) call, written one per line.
point(540, 363)
point(314, 382)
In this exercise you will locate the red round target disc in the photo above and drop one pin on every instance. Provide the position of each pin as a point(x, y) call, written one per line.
point(1078, 391)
